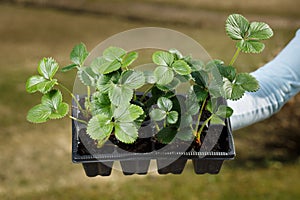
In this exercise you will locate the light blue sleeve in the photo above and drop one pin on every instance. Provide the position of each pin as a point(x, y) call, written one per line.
point(279, 81)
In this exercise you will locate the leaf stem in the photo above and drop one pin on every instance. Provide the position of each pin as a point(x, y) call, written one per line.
point(89, 91)
point(146, 92)
point(79, 120)
point(202, 127)
point(88, 98)
point(156, 126)
point(199, 116)
point(72, 95)
point(236, 54)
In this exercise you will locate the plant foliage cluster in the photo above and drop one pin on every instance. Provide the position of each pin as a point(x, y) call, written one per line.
point(116, 107)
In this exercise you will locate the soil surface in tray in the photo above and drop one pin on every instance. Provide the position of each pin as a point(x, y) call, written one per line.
point(88, 146)
point(147, 141)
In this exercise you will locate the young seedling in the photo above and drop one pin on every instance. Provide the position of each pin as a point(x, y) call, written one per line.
point(230, 85)
point(118, 108)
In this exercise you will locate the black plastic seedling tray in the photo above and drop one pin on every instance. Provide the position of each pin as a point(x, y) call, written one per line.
point(204, 161)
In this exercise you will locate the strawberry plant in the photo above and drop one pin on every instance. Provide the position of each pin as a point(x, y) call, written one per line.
point(124, 98)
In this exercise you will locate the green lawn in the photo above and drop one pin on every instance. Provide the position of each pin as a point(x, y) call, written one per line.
point(35, 160)
point(232, 183)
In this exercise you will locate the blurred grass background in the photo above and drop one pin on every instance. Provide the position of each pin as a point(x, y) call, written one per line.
point(35, 160)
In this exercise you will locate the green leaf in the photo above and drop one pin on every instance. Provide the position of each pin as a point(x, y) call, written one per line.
point(149, 77)
point(135, 112)
point(52, 99)
point(260, 31)
point(38, 114)
point(45, 87)
point(128, 113)
point(126, 132)
point(192, 107)
point(163, 75)
point(186, 120)
point(215, 89)
point(120, 94)
point(103, 83)
point(191, 103)
point(163, 58)
point(224, 111)
point(132, 79)
point(99, 65)
point(120, 111)
point(236, 26)
point(170, 86)
point(200, 93)
point(111, 67)
point(247, 82)
point(197, 65)
point(181, 67)
point(200, 77)
point(61, 111)
point(227, 72)
point(216, 120)
point(157, 114)
point(185, 134)
point(114, 54)
point(214, 63)
point(48, 67)
point(33, 82)
point(188, 59)
point(99, 128)
point(115, 77)
point(129, 59)
point(100, 104)
point(164, 104)
point(212, 68)
point(232, 90)
point(87, 76)
point(209, 107)
point(172, 117)
point(69, 67)
point(177, 54)
point(78, 54)
point(183, 78)
point(166, 135)
point(250, 46)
